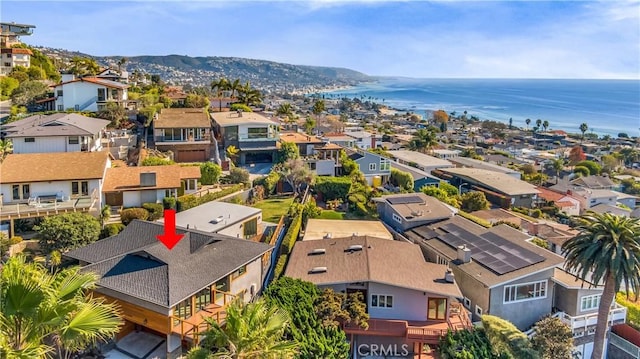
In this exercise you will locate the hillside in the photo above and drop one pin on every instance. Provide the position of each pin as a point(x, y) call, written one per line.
point(198, 71)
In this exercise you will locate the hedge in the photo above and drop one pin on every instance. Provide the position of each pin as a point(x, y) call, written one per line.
point(506, 338)
point(129, 214)
point(169, 203)
point(333, 187)
point(633, 308)
point(156, 210)
point(280, 266)
point(189, 201)
point(291, 236)
point(112, 229)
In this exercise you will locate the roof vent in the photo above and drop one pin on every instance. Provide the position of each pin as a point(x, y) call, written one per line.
point(448, 276)
point(354, 247)
point(315, 270)
point(217, 220)
point(317, 251)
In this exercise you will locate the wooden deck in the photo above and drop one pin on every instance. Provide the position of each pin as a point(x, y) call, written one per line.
point(427, 332)
point(191, 329)
point(11, 211)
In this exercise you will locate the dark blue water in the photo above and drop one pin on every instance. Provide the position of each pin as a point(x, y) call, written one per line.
point(606, 106)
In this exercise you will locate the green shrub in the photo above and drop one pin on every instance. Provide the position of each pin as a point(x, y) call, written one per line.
point(506, 338)
point(475, 219)
point(540, 243)
point(156, 210)
point(111, 230)
point(129, 214)
point(280, 266)
point(633, 308)
point(210, 173)
point(15, 240)
point(169, 203)
point(536, 213)
point(156, 161)
point(333, 187)
point(189, 201)
point(240, 106)
point(291, 236)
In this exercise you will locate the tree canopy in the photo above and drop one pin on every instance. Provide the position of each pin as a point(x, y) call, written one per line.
point(67, 231)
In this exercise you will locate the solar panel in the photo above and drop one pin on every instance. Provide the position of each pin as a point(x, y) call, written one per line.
point(489, 249)
point(405, 200)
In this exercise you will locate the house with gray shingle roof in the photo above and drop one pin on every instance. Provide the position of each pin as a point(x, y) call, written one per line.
point(59, 132)
point(171, 292)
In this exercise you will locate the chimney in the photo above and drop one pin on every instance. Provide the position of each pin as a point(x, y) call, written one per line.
point(239, 113)
point(464, 254)
point(148, 179)
point(448, 276)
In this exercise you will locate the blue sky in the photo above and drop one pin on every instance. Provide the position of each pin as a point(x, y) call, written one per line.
point(514, 39)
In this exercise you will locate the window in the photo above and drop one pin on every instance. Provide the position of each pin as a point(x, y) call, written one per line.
point(8, 56)
point(397, 218)
point(231, 133)
point(221, 286)
point(182, 310)
point(527, 291)
point(74, 140)
point(590, 302)
point(60, 108)
point(250, 228)
point(478, 311)
point(15, 189)
point(467, 302)
point(26, 191)
point(203, 298)
point(372, 166)
point(437, 308)
point(169, 193)
point(59, 92)
point(257, 132)
point(29, 139)
point(80, 188)
point(172, 134)
point(239, 273)
point(381, 301)
point(102, 94)
point(385, 165)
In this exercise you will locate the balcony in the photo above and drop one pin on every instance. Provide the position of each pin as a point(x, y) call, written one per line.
point(617, 314)
point(169, 140)
point(192, 328)
point(40, 208)
point(428, 332)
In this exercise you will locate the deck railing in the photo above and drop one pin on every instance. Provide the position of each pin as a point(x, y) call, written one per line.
point(193, 327)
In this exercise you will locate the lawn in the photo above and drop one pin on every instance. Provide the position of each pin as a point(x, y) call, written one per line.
point(331, 214)
point(274, 208)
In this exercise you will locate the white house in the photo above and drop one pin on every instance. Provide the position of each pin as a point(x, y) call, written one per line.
point(35, 178)
point(59, 132)
point(12, 57)
point(89, 94)
point(133, 186)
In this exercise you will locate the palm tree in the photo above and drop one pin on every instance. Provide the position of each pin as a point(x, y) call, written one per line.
point(423, 140)
point(219, 87)
point(6, 147)
point(318, 108)
point(527, 121)
point(606, 250)
point(232, 152)
point(557, 165)
point(285, 110)
point(583, 128)
point(251, 331)
point(538, 123)
point(234, 87)
point(545, 125)
point(43, 313)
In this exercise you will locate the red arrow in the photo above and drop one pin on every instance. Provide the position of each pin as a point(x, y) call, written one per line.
point(170, 238)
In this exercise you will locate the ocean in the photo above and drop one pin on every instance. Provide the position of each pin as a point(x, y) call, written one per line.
point(606, 106)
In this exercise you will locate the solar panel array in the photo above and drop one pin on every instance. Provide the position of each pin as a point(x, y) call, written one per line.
point(405, 200)
point(490, 250)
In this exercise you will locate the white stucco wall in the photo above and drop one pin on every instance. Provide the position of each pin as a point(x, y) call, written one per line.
point(134, 198)
point(235, 230)
point(79, 93)
point(48, 188)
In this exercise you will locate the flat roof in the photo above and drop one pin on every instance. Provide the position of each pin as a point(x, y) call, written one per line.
point(420, 158)
point(497, 181)
point(473, 163)
point(231, 118)
point(213, 216)
point(319, 229)
point(415, 207)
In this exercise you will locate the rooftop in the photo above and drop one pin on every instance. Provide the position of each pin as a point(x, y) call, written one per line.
point(368, 259)
point(497, 181)
point(135, 264)
point(57, 124)
point(232, 118)
point(299, 138)
point(214, 216)
point(512, 259)
point(97, 81)
point(128, 178)
point(420, 158)
point(182, 118)
point(473, 163)
point(58, 166)
point(416, 173)
point(330, 228)
point(417, 206)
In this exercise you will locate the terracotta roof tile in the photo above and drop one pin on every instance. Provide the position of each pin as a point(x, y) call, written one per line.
point(128, 178)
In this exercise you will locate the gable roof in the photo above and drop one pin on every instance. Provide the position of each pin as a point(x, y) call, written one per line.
point(136, 264)
point(182, 118)
point(594, 182)
point(128, 178)
point(432, 236)
point(58, 166)
point(394, 263)
point(57, 124)
point(96, 81)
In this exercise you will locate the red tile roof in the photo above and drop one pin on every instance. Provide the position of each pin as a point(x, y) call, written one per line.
point(17, 50)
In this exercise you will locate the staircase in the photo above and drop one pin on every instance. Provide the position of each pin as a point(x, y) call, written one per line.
point(114, 217)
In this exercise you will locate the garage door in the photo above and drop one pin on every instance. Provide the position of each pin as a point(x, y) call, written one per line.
point(191, 156)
